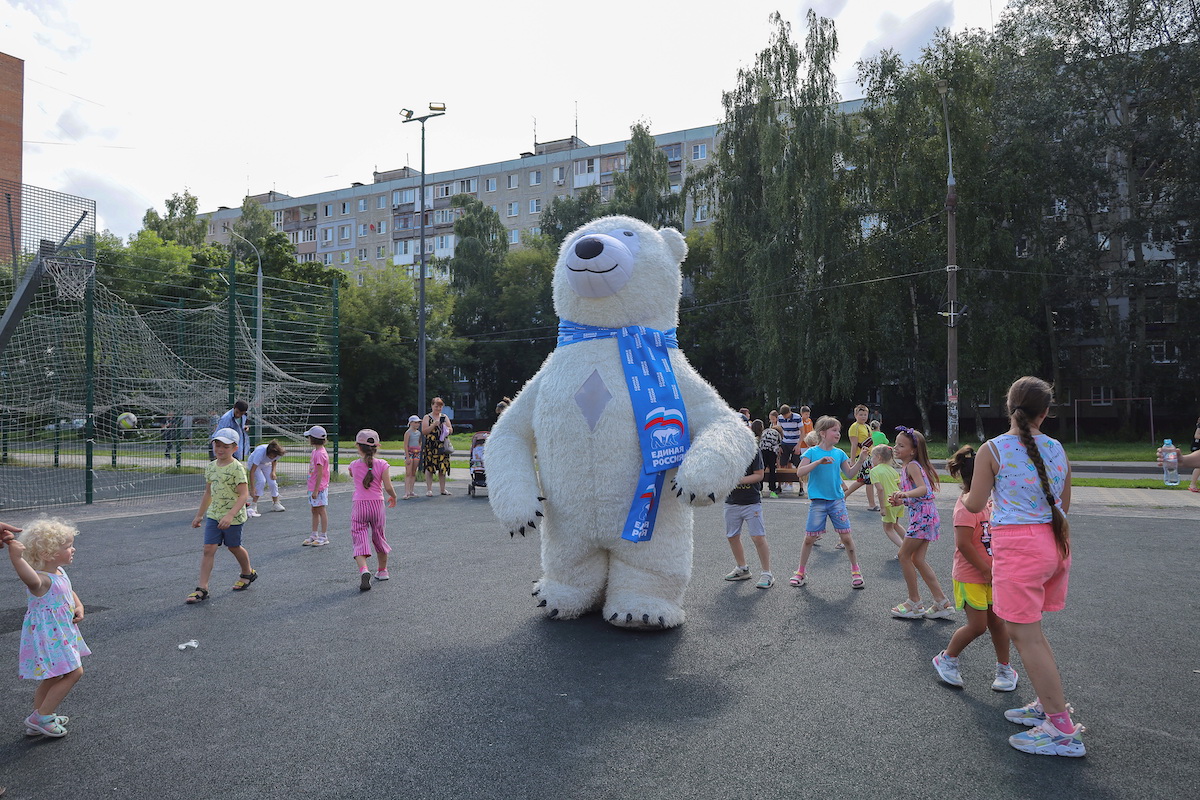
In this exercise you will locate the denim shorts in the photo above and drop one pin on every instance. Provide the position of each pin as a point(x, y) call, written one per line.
point(230, 537)
point(835, 510)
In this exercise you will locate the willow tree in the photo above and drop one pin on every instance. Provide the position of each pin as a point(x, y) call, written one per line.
point(781, 226)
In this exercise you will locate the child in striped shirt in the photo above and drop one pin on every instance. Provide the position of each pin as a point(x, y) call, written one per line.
point(371, 477)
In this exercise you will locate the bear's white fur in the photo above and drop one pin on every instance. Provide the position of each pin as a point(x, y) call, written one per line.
point(587, 471)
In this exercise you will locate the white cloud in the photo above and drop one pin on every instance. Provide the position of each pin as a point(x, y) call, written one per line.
point(909, 34)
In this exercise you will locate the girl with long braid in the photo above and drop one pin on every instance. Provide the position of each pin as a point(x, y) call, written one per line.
point(1028, 478)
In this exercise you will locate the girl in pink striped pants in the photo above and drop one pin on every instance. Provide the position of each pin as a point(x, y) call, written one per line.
point(368, 519)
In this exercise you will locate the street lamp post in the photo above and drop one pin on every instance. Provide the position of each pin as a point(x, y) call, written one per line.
point(257, 400)
point(951, 286)
point(436, 110)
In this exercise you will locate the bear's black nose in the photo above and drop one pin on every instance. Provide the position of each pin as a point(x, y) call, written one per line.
point(589, 248)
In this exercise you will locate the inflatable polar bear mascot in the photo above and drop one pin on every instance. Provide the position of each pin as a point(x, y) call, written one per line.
point(626, 435)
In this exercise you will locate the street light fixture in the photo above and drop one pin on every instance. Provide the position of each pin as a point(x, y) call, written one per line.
point(951, 285)
point(257, 400)
point(436, 110)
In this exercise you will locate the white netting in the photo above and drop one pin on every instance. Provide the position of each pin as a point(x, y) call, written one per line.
point(169, 360)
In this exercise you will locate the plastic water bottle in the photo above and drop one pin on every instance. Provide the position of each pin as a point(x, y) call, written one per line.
point(1170, 463)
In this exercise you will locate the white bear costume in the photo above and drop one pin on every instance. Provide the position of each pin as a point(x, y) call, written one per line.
point(576, 417)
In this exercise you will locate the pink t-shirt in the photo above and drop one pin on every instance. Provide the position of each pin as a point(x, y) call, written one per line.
point(981, 540)
point(358, 471)
point(321, 458)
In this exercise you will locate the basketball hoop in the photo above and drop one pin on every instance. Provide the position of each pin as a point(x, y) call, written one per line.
point(70, 276)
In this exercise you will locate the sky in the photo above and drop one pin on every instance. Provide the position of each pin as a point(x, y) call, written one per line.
point(130, 101)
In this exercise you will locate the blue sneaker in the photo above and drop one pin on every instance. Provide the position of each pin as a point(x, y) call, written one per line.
point(1047, 740)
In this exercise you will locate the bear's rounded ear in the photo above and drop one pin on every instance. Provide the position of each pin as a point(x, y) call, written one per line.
point(675, 241)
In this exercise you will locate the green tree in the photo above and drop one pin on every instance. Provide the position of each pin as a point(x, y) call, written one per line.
point(643, 190)
point(180, 224)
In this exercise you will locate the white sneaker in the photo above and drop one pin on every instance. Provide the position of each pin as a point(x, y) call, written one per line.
point(252, 511)
point(1006, 678)
point(1045, 739)
point(947, 669)
point(739, 574)
point(320, 541)
point(277, 506)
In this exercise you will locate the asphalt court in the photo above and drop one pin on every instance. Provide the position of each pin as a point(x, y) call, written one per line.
point(447, 682)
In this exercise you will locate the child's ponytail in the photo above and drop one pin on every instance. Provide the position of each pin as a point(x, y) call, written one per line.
point(368, 453)
point(961, 465)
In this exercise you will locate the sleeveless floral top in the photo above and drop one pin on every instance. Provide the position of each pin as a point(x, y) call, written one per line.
point(1017, 496)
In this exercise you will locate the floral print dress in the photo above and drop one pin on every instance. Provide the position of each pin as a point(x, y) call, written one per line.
point(50, 640)
point(923, 520)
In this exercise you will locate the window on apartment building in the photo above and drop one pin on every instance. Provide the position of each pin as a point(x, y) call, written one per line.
point(344, 232)
point(381, 201)
point(535, 231)
point(362, 229)
point(304, 258)
point(535, 177)
point(514, 181)
point(400, 248)
point(467, 186)
point(442, 216)
point(345, 257)
point(362, 204)
point(443, 242)
point(428, 246)
point(360, 278)
point(1103, 241)
point(345, 207)
point(278, 220)
point(404, 222)
point(674, 152)
point(535, 205)
point(310, 234)
point(326, 235)
point(329, 209)
point(444, 190)
point(606, 192)
point(699, 151)
point(489, 184)
point(701, 214)
point(585, 166)
point(294, 237)
point(676, 188)
point(327, 259)
point(1102, 396)
point(381, 226)
point(362, 254)
point(1162, 352)
point(557, 174)
point(514, 236)
point(514, 209)
point(494, 209)
point(381, 251)
point(212, 228)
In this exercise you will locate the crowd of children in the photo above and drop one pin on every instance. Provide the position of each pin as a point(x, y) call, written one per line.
point(1012, 543)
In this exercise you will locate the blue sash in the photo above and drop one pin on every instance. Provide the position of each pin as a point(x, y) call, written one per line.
point(658, 411)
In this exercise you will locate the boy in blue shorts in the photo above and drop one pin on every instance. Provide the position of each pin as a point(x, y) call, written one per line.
point(223, 512)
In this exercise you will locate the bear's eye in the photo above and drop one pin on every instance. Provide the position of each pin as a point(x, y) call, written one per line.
point(628, 238)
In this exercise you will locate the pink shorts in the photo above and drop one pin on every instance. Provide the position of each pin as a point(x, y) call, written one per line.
point(1028, 575)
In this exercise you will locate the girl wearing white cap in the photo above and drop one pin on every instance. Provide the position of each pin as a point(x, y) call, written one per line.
point(318, 487)
point(412, 455)
point(371, 477)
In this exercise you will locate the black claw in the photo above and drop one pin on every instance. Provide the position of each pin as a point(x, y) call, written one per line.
point(536, 592)
point(645, 619)
point(540, 514)
point(712, 497)
point(629, 617)
point(541, 499)
point(614, 616)
point(542, 604)
point(531, 524)
point(678, 492)
point(693, 497)
point(512, 534)
point(662, 622)
point(522, 530)
point(554, 613)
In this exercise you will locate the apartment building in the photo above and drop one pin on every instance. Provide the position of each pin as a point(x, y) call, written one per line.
point(366, 226)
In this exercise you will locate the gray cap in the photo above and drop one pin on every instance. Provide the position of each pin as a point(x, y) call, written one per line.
point(316, 432)
point(227, 435)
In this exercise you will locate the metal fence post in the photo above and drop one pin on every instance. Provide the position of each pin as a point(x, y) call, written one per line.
point(337, 368)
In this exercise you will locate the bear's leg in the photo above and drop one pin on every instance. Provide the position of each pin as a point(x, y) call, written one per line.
point(573, 575)
point(646, 580)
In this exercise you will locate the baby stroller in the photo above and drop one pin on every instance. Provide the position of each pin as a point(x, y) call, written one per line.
point(478, 473)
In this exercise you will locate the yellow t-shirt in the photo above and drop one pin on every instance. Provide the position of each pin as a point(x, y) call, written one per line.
point(224, 482)
point(861, 432)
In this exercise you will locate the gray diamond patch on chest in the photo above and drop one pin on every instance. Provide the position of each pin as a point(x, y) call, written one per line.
point(591, 398)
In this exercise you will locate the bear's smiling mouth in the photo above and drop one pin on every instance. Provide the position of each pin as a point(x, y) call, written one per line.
point(596, 271)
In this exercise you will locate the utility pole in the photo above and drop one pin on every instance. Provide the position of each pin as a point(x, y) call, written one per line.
point(951, 286)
